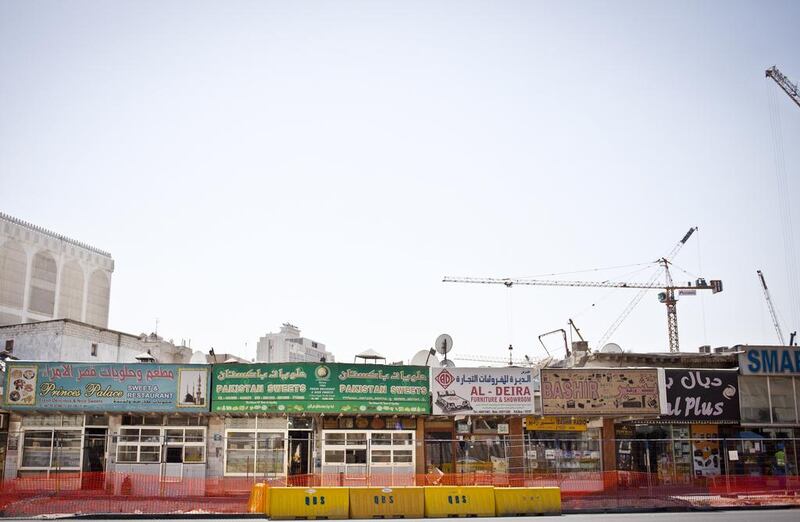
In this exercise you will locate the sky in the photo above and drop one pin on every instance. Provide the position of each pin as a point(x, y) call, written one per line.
point(327, 163)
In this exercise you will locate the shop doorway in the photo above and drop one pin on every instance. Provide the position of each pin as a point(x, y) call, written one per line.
point(440, 451)
point(94, 458)
point(299, 456)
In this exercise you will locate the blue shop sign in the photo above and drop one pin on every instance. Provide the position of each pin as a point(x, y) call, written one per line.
point(769, 360)
point(106, 387)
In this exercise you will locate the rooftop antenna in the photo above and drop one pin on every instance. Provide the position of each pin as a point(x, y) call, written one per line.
point(510, 355)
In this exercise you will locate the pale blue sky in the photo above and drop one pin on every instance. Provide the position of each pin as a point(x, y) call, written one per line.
point(326, 163)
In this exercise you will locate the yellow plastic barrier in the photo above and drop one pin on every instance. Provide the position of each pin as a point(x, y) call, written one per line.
point(459, 501)
point(527, 501)
point(388, 502)
point(259, 499)
point(308, 503)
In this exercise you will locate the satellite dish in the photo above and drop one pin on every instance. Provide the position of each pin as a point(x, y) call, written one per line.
point(447, 363)
point(423, 358)
point(444, 343)
point(611, 348)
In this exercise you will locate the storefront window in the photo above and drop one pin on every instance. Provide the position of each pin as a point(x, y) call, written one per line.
point(754, 399)
point(52, 449)
point(145, 445)
point(255, 451)
point(377, 448)
point(270, 454)
point(797, 393)
point(782, 397)
point(562, 451)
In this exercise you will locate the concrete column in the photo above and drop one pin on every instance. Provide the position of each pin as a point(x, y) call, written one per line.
point(420, 449)
point(609, 451)
point(27, 292)
point(57, 301)
point(86, 275)
point(516, 461)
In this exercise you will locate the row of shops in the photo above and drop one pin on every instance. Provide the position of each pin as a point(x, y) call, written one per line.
point(345, 422)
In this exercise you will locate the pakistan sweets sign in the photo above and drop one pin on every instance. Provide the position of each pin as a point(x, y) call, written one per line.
point(319, 388)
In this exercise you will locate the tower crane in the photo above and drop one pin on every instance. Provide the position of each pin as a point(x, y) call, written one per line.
point(784, 83)
point(667, 296)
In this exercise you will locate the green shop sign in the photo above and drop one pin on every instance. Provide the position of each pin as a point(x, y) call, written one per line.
point(320, 388)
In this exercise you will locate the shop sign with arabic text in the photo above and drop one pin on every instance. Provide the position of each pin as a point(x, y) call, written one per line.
point(106, 387)
point(599, 391)
point(702, 395)
point(459, 391)
point(320, 388)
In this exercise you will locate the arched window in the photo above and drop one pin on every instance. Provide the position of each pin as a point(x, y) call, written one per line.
point(70, 301)
point(13, 263)
point(97, 299)
point(42, 298)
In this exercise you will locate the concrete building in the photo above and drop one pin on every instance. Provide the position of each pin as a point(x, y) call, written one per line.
point(73, 341)
point(288, 346)
point(45, 275)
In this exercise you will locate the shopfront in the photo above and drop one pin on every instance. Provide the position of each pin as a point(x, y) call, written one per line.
point(4, 420)
point(67, 420)
point(477, 428)
point(686, 442)
point(344, 421)
point(561, 445)
point(770, 410)
point(383, 448)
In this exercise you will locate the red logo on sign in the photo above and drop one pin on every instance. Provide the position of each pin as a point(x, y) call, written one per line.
point(445, 378)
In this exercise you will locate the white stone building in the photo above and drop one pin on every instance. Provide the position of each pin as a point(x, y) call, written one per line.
point(44, 275)
point(68, 340)
point(288, 346)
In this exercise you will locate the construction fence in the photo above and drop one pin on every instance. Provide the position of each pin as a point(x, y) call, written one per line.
point(55, 473)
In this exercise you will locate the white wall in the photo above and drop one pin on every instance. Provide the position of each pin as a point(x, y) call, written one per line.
point(65, 340)
point(38, 266)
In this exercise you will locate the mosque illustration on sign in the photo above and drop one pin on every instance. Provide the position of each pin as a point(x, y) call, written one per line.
point(193, 386)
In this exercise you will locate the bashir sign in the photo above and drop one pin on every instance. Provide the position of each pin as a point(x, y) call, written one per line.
point(600, 391)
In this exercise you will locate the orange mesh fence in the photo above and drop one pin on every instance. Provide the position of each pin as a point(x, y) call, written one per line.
point(97, 493)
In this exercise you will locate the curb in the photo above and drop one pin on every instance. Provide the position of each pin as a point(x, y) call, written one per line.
point(231, 516)
point(676, 509)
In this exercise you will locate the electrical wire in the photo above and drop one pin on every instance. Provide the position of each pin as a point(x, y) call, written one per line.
point(702, 295)
point(586, 270)
point(784, 204)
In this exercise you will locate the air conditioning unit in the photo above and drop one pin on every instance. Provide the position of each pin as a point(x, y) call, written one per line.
point(706, 348)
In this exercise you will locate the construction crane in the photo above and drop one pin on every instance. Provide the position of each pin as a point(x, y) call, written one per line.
point(784, 83)
point(667, 296)
point(773, 313)
point(771, 307)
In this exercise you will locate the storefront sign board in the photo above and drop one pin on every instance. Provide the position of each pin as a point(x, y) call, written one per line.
point(599, 391)
point(702, 395)
point(769, 360)
point(320, 388)
point(555, 424)
point(106, 387)
point(478, 391)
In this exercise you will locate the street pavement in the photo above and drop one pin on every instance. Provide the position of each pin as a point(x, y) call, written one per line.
point(742, 515)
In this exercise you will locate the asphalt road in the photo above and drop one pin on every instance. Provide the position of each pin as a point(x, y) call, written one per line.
point(744, 515)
